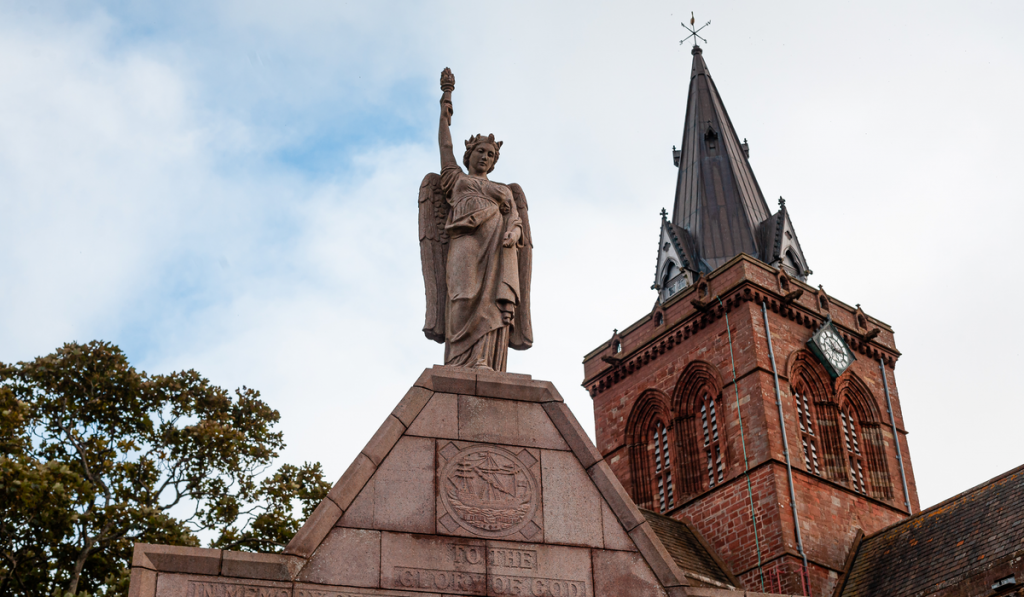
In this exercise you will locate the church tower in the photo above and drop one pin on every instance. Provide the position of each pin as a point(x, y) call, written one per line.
point(752, 405)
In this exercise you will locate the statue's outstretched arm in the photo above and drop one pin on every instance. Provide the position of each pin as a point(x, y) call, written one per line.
point(444, 133)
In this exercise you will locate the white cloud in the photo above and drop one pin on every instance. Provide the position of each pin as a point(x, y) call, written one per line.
point(159, 189)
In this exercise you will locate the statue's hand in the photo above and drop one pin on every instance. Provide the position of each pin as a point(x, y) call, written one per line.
point(508, 312)
point(511, 237)
point(446, 107)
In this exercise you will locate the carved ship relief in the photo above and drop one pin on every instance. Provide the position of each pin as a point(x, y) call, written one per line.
point(489, 490)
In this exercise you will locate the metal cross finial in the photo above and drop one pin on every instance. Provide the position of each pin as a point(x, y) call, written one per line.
point(664, 214)
point(693, 32)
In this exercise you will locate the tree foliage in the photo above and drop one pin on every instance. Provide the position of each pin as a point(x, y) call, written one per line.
point(97, 456)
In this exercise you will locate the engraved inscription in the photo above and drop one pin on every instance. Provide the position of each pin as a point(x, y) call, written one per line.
point(521, 586)
point(466, 554)
point(306, 592)
point(525, 559)
point(217, 589)
point(488, 491)
point(439, 580)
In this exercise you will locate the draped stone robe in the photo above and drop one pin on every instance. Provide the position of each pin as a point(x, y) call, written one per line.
point(482, 275)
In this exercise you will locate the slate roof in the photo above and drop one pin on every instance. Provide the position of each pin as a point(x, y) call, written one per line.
point(943, 545)
point(693, 555)
point(771, 239)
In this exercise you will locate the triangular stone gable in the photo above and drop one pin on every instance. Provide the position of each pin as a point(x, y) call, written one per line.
point(482, 483)
point(478, 483)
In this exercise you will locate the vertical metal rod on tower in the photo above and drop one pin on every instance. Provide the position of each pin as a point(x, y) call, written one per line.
point(785, 452)
point(895, 436)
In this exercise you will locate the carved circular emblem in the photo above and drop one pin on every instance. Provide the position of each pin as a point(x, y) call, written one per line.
point(489, 491)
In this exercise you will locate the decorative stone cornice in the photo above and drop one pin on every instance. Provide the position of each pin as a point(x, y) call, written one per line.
point(797, 301)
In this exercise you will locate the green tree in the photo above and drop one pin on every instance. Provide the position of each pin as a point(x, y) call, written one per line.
point(97, 456)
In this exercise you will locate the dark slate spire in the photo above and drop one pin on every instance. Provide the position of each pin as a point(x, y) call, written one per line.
point(719, 210)
point(718, 201)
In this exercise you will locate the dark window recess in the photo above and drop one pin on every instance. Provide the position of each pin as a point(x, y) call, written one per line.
point(711, 141)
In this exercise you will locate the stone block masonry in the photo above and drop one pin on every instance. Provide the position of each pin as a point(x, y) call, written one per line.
point(478, 484)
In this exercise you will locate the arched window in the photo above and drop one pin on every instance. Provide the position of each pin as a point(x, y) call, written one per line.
point(664, 489)
point(714, 450)
point(807, 437)
point(864, 443)
point(652, 453)
point(818, 418)
point(792, 265)
point(670, 272)
point(700, 429)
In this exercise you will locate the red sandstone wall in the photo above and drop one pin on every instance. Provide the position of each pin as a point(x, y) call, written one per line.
point(723, 517)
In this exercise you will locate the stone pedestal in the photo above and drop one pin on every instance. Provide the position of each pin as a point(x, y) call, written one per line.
point(478, 483)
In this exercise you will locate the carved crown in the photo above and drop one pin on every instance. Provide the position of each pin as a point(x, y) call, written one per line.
point(478, 139)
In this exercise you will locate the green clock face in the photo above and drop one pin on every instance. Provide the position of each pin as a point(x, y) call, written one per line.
point(831, 350)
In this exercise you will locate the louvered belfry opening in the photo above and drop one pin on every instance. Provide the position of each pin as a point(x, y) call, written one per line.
point(665, 489)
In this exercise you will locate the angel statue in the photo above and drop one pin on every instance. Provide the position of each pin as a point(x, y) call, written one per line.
point(476, 251)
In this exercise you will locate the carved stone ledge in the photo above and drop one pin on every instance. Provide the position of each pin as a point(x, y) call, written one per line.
point(174, 558)
point(263, 566)
point(488, 384)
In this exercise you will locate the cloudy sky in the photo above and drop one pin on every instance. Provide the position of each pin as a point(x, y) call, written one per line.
point(231, 187)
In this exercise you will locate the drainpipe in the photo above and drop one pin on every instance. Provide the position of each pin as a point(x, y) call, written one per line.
point(895, 436)
point(785, 442)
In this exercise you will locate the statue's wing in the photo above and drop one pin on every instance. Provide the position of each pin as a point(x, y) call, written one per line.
point(434, 254)
point(521, 336)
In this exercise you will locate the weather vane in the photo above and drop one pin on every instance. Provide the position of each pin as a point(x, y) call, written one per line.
point(694, 33)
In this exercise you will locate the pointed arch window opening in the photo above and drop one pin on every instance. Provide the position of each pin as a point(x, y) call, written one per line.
point(711, 140)
point(792, 264)
point(807, 437)
point(712, 442)
point(664, 487)
point(674, 279)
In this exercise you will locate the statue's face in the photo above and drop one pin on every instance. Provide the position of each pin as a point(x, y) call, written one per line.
point(482, 158)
